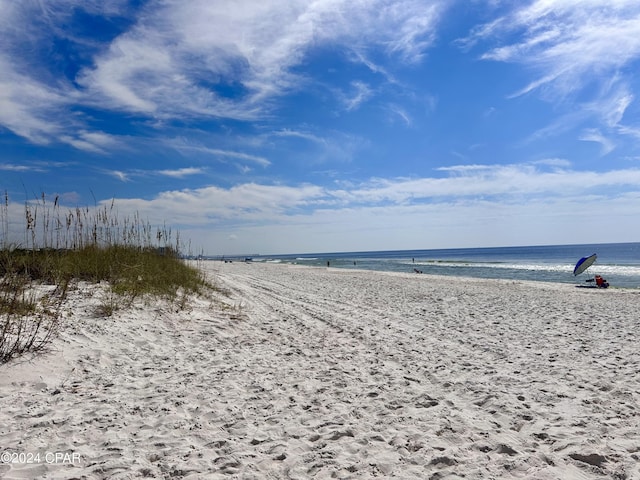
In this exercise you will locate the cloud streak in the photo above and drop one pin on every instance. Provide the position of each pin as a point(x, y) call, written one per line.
point(567, 41)
point(166, 64)
point(181, 172)
point(582, 55)
point(188, 60)
point(500, 204)
point(190, 147)
point(26, 106)
point(511, 184)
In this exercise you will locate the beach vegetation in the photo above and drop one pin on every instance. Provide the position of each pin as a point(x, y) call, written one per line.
point(60, 248)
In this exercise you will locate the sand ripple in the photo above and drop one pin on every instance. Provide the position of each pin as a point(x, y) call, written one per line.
point(326, 373)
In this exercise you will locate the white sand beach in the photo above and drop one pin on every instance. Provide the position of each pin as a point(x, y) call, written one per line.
point(324, 373)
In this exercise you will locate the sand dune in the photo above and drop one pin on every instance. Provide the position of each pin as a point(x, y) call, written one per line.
point(327, 373)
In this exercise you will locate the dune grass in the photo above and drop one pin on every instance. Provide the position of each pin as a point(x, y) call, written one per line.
point(130, 270)
point(63, 247)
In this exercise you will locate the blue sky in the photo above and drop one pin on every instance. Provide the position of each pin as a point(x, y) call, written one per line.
point(333, 125)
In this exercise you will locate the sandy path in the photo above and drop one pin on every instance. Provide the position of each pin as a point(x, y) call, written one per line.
point(398, 375)
point(326, 373)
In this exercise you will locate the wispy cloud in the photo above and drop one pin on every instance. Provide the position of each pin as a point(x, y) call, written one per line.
point(181, 172)
point(466, 183)
point(612, 103)
point(8, 167)
point(129, 175)
point(27, 107)
point(218, 153)
point(630, 130)
point(324, 146)
point(607, 109)
point(238, 156)
point(546, 195)
point(120, 175)
point(163, 66)
point(415, 21)
point(509, 182)
point(594, 135)
point(577, 49)
point(358, 56)
point(300, 134)
point(560, 163)
point(400, 112)
point(95, 142)
point(210, 205)
point(35, 102)
point(180, 60)
point(360, 92)
point(569, 42)
point(37, 166)
point(40, 113)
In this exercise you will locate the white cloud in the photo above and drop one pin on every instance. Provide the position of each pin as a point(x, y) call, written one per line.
point(262, 204)
point(185, 147)
point(594, 135)
point(415, 21)
point(177, 58)
point(27, 106)
point(358, 56)
point(34, 103)
point(633, 131)
point(212, 205)
point(122, 176)
point(181, 172)
point(576, 49)
point(159, 67)
point(95, 142)
point(401, 113)
point(39, 113)
point(569, 42)
point(472, 205)
point(607, 109)
point(331, 145)
point(359, 94)
point(543, 221)
point(559, 163)
point(613, 103)
point(238, 156)
point(9, 167)
point(300, 134)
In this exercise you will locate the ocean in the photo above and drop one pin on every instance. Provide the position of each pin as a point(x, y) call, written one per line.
point(618, 263)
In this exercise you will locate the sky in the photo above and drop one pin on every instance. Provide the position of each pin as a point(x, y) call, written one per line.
point(265, 127)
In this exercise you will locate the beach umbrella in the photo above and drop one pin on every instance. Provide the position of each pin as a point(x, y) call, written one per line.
point(584, 263)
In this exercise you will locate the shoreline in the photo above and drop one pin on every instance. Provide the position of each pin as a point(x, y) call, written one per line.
point(307, 372)
point(442, 277)
point(426, 268)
